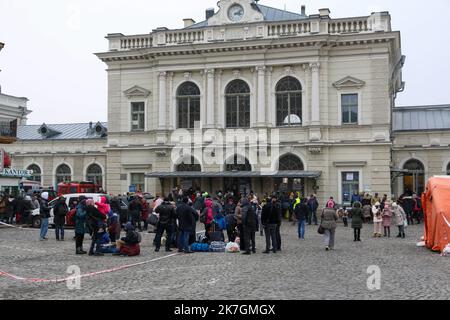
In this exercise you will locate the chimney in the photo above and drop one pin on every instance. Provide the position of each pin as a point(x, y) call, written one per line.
point(209, 13)
point(324, 13)
point(303, 10)
point(188, 22)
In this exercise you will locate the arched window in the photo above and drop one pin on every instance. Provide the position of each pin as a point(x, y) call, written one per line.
point(63, 174)
point(94, 174)
point(37, 173)
point(189, 166)
point(448, 169)
point(238, 164)
point(188, 101)
point(237, 96)
point(414, 179)
point(290, 162)
point(289, 102)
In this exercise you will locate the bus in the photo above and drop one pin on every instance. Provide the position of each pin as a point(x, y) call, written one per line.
point(78, 187)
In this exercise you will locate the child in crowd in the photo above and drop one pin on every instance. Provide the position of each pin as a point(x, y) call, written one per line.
point(387, 218)
point(377, 220)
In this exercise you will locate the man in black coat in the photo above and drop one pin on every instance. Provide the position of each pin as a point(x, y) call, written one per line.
point(186, 224)
point(249, 223)
point(302, 213)
point(135, 210)
point(60, 212)
point(271, 219)
point(167, 217)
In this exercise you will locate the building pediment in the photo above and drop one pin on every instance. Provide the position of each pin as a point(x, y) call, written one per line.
point(236, 11)
point(349, 82)
point(137, 91)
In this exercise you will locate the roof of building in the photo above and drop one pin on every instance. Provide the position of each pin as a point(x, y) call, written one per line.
point(72, 131)
point(270, 14)
point(422, 118)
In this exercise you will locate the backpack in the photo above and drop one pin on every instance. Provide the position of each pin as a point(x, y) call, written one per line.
point(221, 222)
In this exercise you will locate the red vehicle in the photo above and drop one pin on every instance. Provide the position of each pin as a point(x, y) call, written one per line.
point(78, 187)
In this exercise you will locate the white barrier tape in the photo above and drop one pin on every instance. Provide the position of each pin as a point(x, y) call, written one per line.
point(87, 275)
point(16, 227)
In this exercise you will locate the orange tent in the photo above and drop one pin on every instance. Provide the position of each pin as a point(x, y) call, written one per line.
point(436, 206)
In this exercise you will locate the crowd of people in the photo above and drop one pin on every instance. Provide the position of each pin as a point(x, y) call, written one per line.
point(174, 219)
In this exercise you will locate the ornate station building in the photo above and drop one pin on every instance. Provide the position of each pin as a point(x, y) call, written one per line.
point(308, 101)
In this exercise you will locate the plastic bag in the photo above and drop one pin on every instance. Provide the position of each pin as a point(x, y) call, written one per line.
point(232, 247)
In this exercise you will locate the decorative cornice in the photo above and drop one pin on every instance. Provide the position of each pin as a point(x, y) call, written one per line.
point(236, 46)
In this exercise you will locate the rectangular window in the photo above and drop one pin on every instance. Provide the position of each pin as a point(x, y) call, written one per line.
point(350, 185)
point(349, 105)
point(137, 116)
point(138, 180)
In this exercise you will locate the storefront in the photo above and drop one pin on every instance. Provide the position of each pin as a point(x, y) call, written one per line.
point(10, 180)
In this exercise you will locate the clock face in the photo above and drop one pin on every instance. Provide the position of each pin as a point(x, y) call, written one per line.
point(235, 13)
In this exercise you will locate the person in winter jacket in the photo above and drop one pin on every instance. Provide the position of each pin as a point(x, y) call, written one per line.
point(44, 211)
point(95, 221)
point(145, 212)
point(357, 220)
point(249, 223)
point(135, 210)
point(186, 221)
point(329, 218)
point(129, 245)
point(167, 217)
point(301, 213)
point(400, 219)
point(377, 220)
point(207, 215)
point(313, 205)
point(271, 218)
point(387, 218)
point(80, 225)
point(60, 212)
point(103, 206)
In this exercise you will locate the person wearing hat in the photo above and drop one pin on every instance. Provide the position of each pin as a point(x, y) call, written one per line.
point(44, 211)
point(377, 220)
point(129, 245)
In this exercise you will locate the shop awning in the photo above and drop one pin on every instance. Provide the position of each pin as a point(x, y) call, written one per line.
point(237, 174)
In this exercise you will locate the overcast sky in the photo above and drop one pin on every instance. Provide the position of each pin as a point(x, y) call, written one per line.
point(49, 45)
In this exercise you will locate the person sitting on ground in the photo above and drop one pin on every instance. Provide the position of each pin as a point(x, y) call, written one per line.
point(129, 245)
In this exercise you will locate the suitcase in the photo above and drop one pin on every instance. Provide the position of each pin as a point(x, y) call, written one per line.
point(215, 235)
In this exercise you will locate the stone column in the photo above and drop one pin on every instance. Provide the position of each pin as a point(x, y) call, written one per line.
point(315, 94)
point(162, 100)
point(261, 119)
point(210, 103)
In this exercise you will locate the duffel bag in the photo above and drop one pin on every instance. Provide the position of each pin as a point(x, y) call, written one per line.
point(200, 247)
point(217, 246)
point(153, 219)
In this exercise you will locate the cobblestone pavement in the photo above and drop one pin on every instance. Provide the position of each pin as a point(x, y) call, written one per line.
point(303, 270)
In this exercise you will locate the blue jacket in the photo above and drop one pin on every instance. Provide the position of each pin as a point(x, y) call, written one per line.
point(80, 219)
